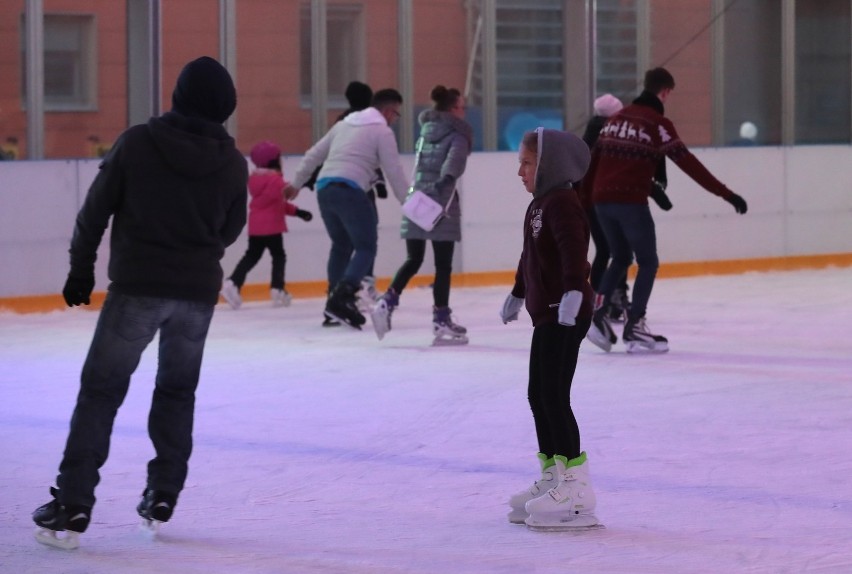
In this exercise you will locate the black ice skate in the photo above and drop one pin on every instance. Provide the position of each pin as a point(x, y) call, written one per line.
point(342, 306)
point(155, 508)
point(619, 306)
point(447, 332)
point(53, 517)
point(639, 339)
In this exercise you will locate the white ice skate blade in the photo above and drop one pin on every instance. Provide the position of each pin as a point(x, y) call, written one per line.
point(380, 318)
point(70, 541)
point(441, 341)
point(150, 527)
point(555, 524)
point(636, 347)
point(342, 321)
point(599, 339)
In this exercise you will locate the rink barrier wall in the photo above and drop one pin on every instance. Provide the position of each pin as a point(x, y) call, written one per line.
point(800, 210)
point(316, 289)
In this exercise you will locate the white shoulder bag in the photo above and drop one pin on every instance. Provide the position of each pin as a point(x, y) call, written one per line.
point(421, 209)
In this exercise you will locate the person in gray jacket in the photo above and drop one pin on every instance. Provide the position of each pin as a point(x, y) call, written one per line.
point(445, 142)
point(350, 153)
point(173, 191)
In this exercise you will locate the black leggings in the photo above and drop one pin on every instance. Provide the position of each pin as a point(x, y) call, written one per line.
point(256, 245)
point(553, 360)
point(443, 252)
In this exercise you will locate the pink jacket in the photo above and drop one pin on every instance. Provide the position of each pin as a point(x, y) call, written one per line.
point(267, 207)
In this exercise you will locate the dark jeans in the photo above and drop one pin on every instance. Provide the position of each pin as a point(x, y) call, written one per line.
point(256, 246)
point(602, 254)
point(629, 229)
point(350, 220)
point(443, 252)
point(125, 327)
point(553, 360)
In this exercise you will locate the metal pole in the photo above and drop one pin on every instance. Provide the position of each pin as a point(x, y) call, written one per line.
point(406, 75)
point(228, 49)
point(489, 75)
point(34, 17)
point(319, 69)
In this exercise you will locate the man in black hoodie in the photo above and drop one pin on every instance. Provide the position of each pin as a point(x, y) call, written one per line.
point(175, 190)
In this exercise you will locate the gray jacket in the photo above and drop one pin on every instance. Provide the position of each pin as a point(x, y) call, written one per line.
point(446, 141)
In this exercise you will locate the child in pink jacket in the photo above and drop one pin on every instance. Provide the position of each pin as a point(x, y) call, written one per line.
point(266, 225)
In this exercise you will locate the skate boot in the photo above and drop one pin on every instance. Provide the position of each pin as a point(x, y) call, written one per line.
point(231, 294)
point(619, 306)
point(53, 517)
point(367, 295)
point(601, 333)
point(155, 508)
point(329, 321)
point(280, 298)
point(569, 505)
point(446, 332)
point(341, 305)
point(539, 487)
point(381, 313)
point(639, 339)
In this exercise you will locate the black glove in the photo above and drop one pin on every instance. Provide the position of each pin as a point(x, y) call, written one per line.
point(381, 190)
point(305, 215)
point(78, 289)
point(658, 194)
point(738, 202)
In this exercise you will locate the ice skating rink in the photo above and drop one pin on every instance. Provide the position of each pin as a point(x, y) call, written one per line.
point(325, 450)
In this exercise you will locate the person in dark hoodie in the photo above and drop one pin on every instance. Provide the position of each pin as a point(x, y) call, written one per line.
point(552, 280)
point(175, 192)
point(628, 155)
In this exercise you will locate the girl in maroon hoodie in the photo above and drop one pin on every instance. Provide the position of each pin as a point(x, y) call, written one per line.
point(553, 281)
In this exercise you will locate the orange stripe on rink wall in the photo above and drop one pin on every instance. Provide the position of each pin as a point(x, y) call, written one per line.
point(316, 289)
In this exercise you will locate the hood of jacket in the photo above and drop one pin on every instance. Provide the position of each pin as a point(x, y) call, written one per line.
point(193, 147)
point(563, 159)
point(436, 125)
point(366, 117)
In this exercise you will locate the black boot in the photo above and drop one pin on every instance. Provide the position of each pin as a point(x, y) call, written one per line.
point(156, 505)
point(56, 516)
point(342, 305)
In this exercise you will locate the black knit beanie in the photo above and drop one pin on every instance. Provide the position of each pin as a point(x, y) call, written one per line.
point(205, 90)
point(359, 95)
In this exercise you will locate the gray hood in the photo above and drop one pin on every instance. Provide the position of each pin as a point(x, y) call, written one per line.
point(563, 159)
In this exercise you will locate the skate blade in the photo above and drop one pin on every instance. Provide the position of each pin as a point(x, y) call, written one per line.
point(449, 341)
point(517, 516)
point(636, 348)
point(599, 339)
point(343, 321)
point(575, 524)
point(380, 323)
point(150, 527)
point(70, 541)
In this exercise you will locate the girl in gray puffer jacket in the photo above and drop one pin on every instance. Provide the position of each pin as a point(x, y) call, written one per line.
point(445, 142)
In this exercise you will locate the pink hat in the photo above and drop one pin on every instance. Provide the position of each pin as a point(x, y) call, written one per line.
point(607, 105)
point(263, 153)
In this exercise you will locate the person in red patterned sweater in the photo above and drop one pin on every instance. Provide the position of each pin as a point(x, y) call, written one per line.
point(619, 181)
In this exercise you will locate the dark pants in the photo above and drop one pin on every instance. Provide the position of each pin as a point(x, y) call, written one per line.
point(553, 360)
point(416, 249)
point(629, 229)
point(125, 327)
point(256, 246)
point(350, 220)
point(602, 254)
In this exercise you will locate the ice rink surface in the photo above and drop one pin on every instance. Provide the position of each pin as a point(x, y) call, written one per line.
point(325, 450)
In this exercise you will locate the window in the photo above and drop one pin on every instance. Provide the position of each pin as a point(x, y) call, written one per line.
point(752, 73)
point(69, 62)
point(345, 46)
point(616, 49)
point(823, 62)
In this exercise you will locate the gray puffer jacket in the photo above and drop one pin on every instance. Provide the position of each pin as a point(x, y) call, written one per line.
point(446, 143)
